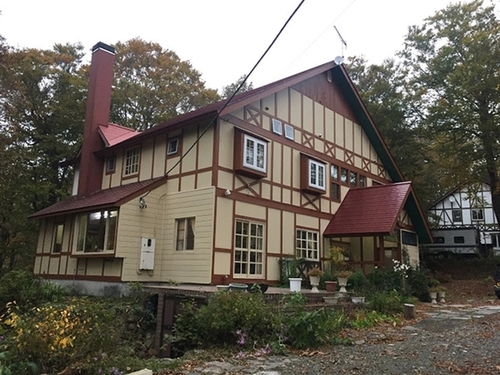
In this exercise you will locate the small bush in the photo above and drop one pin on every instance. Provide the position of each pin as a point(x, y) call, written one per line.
point(389, 303)
point(227, 313)
point(359, 283)
point(385, 280)
point(308, 328)
point(418, 282)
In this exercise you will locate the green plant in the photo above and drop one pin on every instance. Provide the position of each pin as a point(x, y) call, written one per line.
point(418, 281)
point(226, 313)
point(358, 283)
point(307, 328)
point(370, 318)
point(389, 303)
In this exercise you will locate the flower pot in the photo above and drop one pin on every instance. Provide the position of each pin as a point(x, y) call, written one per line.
point(314, 280)
point(343, 284)
point(331, 286)
point(440, 296)
point(295, 284)
point(433, 296)
point(358, 300)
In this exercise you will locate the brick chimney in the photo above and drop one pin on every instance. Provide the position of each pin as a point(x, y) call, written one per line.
point(97, 113)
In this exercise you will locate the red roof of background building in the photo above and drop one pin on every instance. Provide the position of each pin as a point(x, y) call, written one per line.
point(369, 211)
point(104, 198)
point(114, 134)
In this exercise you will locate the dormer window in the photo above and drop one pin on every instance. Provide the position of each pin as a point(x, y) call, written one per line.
point(313, 176)
point(132, 157)
point(173, 146)
point(250, 155)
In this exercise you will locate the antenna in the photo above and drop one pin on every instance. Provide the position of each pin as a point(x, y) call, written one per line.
point(340, 58)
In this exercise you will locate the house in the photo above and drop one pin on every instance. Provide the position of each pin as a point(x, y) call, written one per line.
point(225, 192)
point(463, 221)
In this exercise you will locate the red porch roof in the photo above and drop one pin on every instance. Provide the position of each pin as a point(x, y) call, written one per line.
point(101, 199)
point(369, 211)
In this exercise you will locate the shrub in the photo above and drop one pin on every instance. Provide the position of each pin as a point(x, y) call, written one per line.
point(359, 283)
point(385, 280)
point(26, 290)
point(389, 303)
point(303, 328)
point(53, 336)
point(227, 313)
point(418, 282)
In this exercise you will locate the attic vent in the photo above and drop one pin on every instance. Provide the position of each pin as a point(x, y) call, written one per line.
point(329, 76)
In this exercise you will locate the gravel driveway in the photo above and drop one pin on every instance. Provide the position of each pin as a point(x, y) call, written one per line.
point(439, 344)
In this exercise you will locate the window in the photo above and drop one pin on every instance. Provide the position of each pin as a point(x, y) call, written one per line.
point(132, 161)
point(250, 154)
point(353, 178)
point(456, 215)
point(362, 181)
point(58, 236)
point(477, 214)
point(495, 240)
point(335, 191)
point(97, 231)
point(307, 245)
point(334, 172)
point(110, 164)
point(409, 238)
point(316, 174)
point(277, 127)
point(459, 239)
point(343, 175)
point(438, 239)
point(184, 239)
point(173, 146)
point(248, 248)
point(289, 132)
point(255, 154)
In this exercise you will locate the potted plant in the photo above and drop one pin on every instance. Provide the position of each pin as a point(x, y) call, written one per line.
point(314, 276)
point(342, 277)
point(433, 289)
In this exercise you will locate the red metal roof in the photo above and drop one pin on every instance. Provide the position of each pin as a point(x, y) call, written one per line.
point(369, 211)
point(114, 134)
point(104, 198)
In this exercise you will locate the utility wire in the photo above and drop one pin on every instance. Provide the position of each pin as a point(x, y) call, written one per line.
point(233, 95)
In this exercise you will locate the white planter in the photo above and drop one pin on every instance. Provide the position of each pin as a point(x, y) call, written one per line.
point(314, 280)
point(358, 300)
point(342, 283)
point(433, 296)
point(440, 297)
point(295, 284)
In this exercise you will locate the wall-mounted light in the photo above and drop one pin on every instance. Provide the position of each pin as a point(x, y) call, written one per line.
point(142, 203)
point(227, 193)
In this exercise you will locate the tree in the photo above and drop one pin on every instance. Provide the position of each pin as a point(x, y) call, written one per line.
point(42, 109)
point(452, 65)
point(153, 85)
point(382, 89)
point(227, 91)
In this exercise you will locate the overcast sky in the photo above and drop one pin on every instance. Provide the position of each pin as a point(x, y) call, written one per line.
point(223, 39)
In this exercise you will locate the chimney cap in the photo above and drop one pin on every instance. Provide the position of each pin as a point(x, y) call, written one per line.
point(103, 46)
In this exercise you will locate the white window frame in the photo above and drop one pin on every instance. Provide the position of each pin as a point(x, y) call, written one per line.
point(277, 128)
point(185, 234)
point(307, 244)
point(477, 214)
point(249, 242)
point(132, 160)
point(316, 180)
point(253, 163)
point(173, 150)
point(289, 132)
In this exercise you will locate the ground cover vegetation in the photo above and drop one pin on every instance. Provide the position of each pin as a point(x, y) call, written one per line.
point(46, 329)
